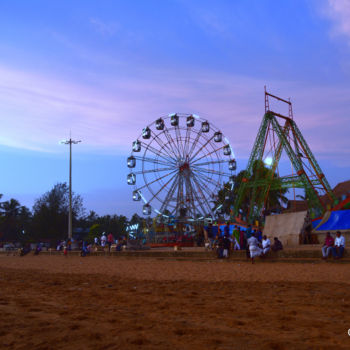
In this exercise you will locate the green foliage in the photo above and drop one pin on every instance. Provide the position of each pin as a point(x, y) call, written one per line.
point(15, 221)
point(115, 224)
point(94, 231)
point(262, 176)
point(50, 219)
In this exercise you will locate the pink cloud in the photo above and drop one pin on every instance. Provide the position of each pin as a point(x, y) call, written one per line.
point(339, 12)
point(108, 113)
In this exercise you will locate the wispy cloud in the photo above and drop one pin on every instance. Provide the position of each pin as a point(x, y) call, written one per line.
point(339, 12)
point(37, 109)
point(103, 27)
point(108, 113)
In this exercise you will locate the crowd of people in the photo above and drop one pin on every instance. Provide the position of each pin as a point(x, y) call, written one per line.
point(107, 241)
point(251, 240)
point(227, 240)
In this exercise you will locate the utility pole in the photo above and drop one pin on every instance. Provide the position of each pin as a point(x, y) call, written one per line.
point(70, 142)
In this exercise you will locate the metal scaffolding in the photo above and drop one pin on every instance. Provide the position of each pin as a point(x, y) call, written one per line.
point(278, 133)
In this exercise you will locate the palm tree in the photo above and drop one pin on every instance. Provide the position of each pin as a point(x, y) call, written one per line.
point(263, 175)
point(11, 207)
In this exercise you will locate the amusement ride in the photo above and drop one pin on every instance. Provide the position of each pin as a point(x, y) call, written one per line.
point(177, 166)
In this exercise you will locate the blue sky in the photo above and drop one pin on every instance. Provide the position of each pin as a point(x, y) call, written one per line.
point(103, 70)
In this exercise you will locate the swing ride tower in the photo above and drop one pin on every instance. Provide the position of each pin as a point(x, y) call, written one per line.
point(279, 134)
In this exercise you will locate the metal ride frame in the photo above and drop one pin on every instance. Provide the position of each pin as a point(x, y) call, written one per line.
point(277, 133)
point(177, 166)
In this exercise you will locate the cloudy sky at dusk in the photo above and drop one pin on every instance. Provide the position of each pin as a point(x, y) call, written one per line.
point(102, 70)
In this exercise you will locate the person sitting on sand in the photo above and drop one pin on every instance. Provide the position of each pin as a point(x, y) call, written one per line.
point(25, 250)
point(277, 245)
point(327, 246)
point(339, 246)
point(266, 243)
point(37, 249)
point(254, 249)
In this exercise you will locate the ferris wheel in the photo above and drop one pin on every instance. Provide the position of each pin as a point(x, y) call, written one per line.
point(177, 166)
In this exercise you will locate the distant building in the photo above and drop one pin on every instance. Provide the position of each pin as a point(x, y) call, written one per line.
point(341, 191)
point(294, 206)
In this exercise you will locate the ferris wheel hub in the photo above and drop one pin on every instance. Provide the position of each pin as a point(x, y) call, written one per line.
point(184, 166)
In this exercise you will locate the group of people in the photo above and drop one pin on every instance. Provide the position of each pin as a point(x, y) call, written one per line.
point(108, 241)
point(65, 245)
point(257, 248)
point(250, 240)
point(86, 248)
point(333, 246)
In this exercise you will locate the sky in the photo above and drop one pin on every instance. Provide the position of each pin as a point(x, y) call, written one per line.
point(101, 71)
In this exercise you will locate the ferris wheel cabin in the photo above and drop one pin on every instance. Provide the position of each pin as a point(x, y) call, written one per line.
point(147, 209)
point(205, 127)
point(131, 162)
point(227, 150)
point(136, 146)
point(146, 133)
point(136, 196)
point(160, 124)
point(190, 121)
point(232, 164)
point(218, 136)
point(131, 179)
point(174, 120)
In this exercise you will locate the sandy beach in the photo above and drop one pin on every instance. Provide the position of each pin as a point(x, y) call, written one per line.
point(52, 302)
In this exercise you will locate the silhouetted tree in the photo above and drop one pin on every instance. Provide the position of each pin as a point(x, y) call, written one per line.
point(50, 213)
point(15, 221)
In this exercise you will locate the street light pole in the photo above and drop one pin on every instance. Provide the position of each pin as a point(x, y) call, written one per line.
point(70, 142)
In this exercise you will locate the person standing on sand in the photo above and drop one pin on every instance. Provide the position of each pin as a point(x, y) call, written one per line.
point(327, 246)
point(110, 240)
point(235, 243)
point(241, 239)
point(103, 240)
point(235, 233)
point(227, 229)
point(254, 249)
point(249, 231)
point(248, 234)
point(226, 245)
point(259, 234)
point(220, 246)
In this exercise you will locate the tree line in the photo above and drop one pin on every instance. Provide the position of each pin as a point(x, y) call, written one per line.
point(48, 219)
